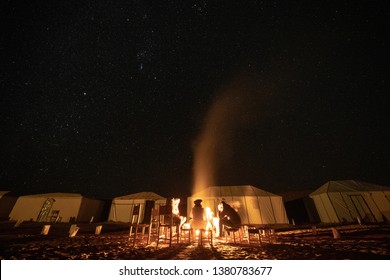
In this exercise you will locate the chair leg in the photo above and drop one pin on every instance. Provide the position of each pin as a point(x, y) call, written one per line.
point(135, 235)
point(170, 236)
point(158, 235)
point(259, 236)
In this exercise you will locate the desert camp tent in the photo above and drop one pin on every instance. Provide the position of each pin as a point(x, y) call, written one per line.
point(122, 206)
point(350, 201)
point(57, 207)
point(255, 206)
point(300, 207)
point(7, 202)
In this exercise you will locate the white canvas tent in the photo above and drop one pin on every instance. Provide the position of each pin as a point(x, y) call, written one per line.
point(255, 206)
point(122, 206)
point(2, 193)
point(56, 207)
point(347, 201)
point(7, 202)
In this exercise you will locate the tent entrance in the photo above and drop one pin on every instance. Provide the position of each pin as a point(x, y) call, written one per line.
point(45, 210)
point(361, 207)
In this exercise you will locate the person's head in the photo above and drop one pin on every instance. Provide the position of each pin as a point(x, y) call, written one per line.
point(198, 202)
point(220, 206)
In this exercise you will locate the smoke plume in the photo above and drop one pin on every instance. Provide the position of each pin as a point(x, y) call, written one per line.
point(236, 108)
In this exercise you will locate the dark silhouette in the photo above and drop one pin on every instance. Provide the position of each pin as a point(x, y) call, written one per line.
point(198, 215)
point(228, 217)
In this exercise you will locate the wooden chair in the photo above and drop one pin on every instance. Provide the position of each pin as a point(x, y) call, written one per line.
point(205, 235)
point(136, 225)
point(186, 233)
point(232, 232)
point(267, 234)
point(255, 233)
point(165, 225)
point(154, 223)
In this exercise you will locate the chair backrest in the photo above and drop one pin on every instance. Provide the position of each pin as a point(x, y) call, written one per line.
point(165, 214)
point(155, 214)
point(154, 219)
point(147, 217)
point(135, 215)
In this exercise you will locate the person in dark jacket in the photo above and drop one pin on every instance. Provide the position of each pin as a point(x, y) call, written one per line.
point(228, 216)
point(198, 215)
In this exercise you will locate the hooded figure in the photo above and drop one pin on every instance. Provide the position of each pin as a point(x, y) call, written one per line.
point(228, 216)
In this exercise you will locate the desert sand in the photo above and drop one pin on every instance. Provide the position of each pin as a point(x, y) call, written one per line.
point(362, 242)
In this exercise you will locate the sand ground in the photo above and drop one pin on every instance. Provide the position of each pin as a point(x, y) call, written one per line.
point(362, 242)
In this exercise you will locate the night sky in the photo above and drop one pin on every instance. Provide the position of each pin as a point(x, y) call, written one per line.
point(108, 98)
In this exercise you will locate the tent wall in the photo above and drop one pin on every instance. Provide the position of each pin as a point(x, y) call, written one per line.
point(121, 209)
point(302, 210)
point(68, 206)
point(90, 208)
point(7, 203)
point(20, 212)
point(382, 201)
point(253, 209)
point(266, 213)
point(28, 207)
point(340, 209)
point(279, 211)
point(348, 201)
point(325, 209)
point(336, 207)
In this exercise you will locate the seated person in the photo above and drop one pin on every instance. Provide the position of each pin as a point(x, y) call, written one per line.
point(198, 215)
point(228, 216)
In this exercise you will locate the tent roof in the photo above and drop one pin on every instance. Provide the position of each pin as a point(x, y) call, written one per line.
point(54, 195)
point(348, 186)
point(294, 195)
point(228, 191)
point(142, 195)
point(3, 193)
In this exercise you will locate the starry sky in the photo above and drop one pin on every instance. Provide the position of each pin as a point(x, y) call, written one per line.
point(107, 98)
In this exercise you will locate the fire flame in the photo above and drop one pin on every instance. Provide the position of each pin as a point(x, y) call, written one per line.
point(209, 218)
point(175, 206)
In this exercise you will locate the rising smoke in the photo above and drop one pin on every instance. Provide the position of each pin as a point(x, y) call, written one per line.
point(237, 107)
